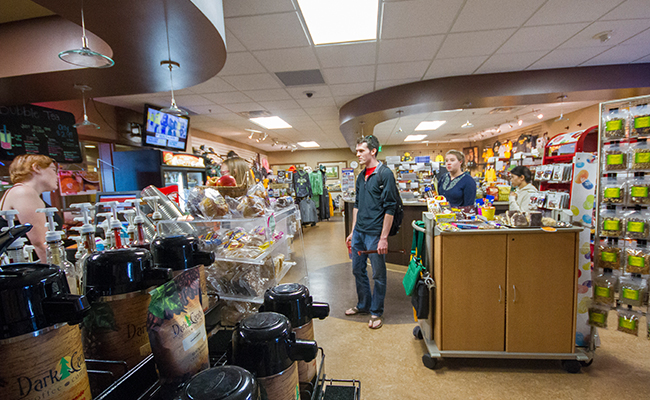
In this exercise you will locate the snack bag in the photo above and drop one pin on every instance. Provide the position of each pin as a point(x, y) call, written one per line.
point(176, 327)
point(260, 191)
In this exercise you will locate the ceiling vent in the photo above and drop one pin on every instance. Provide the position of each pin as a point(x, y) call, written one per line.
point(255, 114)
point(301, 78)
point(503, 110)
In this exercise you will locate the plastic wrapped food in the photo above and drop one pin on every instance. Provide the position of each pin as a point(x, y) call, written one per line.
point(640, 121)
point(234, 311)
point(628, 321)
point(637, 224)
point(207, 203)
point(612, 190)
point(614, 123)
point(632, 290)
point(637, 260)
point(611, 223)
point(260, 191)
point(609, 255)
point(241, 278)
point(251, 206)
point(615, 157)
point(638, 189)
point(605, 288)
point(640, 155)
point(598, 315)
point(283, 202)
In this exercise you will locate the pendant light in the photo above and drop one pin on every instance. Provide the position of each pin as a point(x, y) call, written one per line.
point(85, 122)
point(562, 117)
point(173, 108)
point(84, 57)
point(467, 124)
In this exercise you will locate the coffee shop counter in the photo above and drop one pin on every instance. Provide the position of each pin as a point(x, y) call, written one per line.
point(412, 212)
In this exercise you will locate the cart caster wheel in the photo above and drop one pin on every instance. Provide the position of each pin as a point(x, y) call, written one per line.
point(417, 332)
point(571, 366)
point(585, 364)
point(429, 361)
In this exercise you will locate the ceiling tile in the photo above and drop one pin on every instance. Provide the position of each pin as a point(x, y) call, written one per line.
point(233, 44)
point(291, 113)
point(620, 54)
point(317, 102)
point(473, 43)
point(410, 49)
point(621, 30)
point(346, 55)
point(350, 74)
point(317, 92)
point(213, 85)
point(192, 100)
point(208, 109)
point(494, 14)
point(640, 39)
point(390, 83)
point(564, 12)
point(630, 9)
point(281, 60)
point(241, 63)
point(323, 109)
point(540, 37)
point(403, 70)
point(280, 105)
point(267, 95)
point(418, 18)
point(352, 89)
point(510, 62)
point(643, 60)
point(238, 8)
point(275, 31)
point(563, 58)
point(253, 82)
point(227, 97)
point(226, 117)
point(342, 100)
point(454, 66)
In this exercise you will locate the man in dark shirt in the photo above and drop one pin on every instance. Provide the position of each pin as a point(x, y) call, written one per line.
point(374, 207)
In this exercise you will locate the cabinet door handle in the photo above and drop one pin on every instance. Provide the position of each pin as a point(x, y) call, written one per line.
point(499, 293)
point(514, 291)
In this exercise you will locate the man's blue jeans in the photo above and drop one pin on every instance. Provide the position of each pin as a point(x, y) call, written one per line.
point(373, 302)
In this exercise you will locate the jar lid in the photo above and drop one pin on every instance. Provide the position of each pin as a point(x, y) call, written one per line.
point(265, 326)
point(36, 296)
point(120, 271)
point(222, 383)
point(291, 300)
point(179, 253)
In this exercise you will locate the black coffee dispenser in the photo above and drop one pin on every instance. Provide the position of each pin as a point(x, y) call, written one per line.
point(116, 283)
point(180, 253)
point(38, 337)
point(264, 344)
point(228, 382)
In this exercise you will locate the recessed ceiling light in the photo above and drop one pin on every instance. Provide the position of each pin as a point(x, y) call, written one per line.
point(467, 125)
point(271, 122)
point(540, 116)
point(311, 144)
point(430, 125)
point(340, 21)
point(414, 138)
point(89, 146)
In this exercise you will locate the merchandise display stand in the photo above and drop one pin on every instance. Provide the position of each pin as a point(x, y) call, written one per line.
point(511, 316)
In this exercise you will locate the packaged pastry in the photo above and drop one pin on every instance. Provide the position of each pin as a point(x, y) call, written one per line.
point(637, 258)
point(260, 191)
point(535, 218)
point(251, 206)
point(612, 189)
point(208, 203)
point(640, 121)
point(283, 202)
point(614, 122)
point(628, 321)
point(632, 290)
point(614, 157)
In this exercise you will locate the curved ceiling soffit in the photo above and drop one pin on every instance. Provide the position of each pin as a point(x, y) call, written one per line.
point(136, 31)
point(492, 90)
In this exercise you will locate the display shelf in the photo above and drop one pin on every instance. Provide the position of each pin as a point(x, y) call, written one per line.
point(259, 260)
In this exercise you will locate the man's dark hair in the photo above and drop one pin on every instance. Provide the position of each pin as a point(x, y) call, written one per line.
point(371, 141)
point(520, 170)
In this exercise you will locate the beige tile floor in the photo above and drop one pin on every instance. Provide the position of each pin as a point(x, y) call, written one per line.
point(388, 361)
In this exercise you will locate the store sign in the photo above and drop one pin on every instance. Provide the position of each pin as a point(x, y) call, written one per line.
point(182, 160)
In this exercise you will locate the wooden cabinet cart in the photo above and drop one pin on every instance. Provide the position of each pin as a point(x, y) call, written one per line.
point(507, 293)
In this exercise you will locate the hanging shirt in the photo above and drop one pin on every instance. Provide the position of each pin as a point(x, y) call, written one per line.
point(301, 184)
point(316, 180)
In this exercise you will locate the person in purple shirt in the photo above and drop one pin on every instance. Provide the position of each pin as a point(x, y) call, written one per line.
point(457, 185)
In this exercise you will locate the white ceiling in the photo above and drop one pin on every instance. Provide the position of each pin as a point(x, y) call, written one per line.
point(420, 39)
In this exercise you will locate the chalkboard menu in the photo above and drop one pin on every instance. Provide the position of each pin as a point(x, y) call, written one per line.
point(30, 129)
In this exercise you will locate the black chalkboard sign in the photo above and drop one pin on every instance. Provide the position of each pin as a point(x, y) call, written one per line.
point(30, 129)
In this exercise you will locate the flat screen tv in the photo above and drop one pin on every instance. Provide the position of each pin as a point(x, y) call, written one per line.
point(164, 131)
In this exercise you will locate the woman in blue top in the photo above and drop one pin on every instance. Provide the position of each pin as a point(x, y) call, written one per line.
point(457, 186)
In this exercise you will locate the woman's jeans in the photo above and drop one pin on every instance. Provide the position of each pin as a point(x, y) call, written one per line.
point(373, 302)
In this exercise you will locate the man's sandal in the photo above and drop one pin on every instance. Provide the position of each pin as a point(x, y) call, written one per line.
point(355, 311)
point(375, 322)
